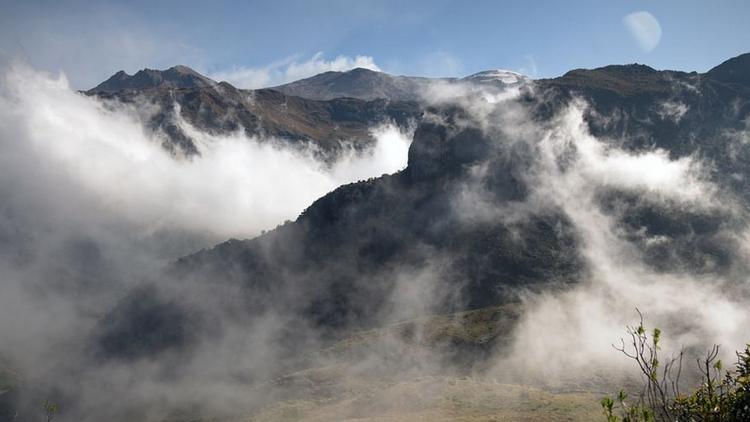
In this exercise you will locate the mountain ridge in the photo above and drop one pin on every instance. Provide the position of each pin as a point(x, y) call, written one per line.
point(179, 76)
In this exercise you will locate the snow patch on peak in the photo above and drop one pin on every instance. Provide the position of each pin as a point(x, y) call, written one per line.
point(507, 77)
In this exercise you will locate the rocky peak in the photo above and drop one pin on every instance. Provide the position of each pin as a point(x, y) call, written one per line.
point(175, 77)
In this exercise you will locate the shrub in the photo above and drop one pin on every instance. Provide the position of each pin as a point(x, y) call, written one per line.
point(721, 395)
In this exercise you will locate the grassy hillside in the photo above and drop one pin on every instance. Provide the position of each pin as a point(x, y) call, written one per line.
point(472, 333)
point(416, 370)
point(437, 399)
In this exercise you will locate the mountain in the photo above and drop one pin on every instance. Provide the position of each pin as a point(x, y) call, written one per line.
point(174, 77)
point(332, 110)
point(342, 258)
point(360, 83)
point(449, 216)
point(734, 71)
point(220, 108)
point(379, 285)
point(368, 84)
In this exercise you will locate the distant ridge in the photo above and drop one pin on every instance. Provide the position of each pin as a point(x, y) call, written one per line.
point(359, 83)
point(365, 84)
point(175, 77)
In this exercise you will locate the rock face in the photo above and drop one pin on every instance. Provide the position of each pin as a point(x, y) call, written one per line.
point(341, 262)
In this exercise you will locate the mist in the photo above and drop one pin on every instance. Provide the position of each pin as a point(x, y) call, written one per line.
point(95, 208)
point(566, 338)
point(237, 187)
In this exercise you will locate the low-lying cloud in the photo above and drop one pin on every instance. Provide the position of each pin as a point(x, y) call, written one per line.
point(93, 205)
point(565, 338)
point(237, 187)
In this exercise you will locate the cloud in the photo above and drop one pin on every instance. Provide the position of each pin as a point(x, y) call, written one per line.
point(237, 187)
point(88, 195)
point(564, 336)
point(672, 110)
point(644, 28)
point(572, 331)
point(290, 69)
point(92, 205)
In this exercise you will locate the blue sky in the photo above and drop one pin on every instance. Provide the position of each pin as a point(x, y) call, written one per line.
point(255, 43)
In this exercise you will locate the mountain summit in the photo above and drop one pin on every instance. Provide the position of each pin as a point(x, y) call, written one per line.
point(175, 77)
point(735, 70)
point(365, 84)
point(506, 77)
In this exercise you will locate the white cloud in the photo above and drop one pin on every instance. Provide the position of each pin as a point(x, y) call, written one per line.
point(572, 168)
point(644, 28)
point(236, 188)
point(289, 70)
point(672, 110)
point(91, 204)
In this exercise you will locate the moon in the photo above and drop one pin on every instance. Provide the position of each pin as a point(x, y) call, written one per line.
point(644, 28)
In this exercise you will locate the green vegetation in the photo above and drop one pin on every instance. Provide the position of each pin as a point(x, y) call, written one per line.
point(721, 395)
point(50, 410)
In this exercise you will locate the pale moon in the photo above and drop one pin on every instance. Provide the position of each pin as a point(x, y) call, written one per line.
point(644, 28)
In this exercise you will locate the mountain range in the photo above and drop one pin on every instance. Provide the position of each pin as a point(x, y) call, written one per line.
point(343, 256)
point(515, 188)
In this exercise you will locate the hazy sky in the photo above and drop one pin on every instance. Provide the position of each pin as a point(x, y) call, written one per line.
point(256, 43)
